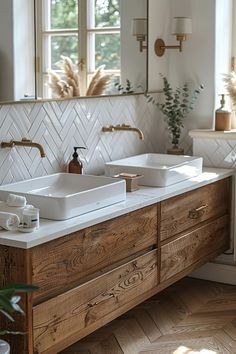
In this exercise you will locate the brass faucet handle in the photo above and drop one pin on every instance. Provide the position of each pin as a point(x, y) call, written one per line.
point(25, 140)
point(126, 125)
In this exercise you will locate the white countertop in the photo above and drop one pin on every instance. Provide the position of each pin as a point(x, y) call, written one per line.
point(50, 229)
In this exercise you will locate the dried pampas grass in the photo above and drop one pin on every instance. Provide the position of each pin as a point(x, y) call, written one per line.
point(60, 88)
point(230, 84)
point(69, 84)
point(71, 74)
point(98, 83)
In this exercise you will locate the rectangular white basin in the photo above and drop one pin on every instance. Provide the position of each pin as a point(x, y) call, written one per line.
point(158, 170)
point(64, 195)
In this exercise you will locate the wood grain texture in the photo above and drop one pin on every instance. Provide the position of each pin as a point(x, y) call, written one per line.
point(85, 305)
point(62, 264)
point(15, 267)
point(191, 247)
point(175, 211)
point(189, 317)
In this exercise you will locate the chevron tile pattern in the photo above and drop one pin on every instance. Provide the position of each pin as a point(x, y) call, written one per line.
point(216, 152)
point(190, 317)
point(60, 125)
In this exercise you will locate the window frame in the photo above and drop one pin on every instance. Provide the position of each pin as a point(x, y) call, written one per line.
point(86, 33)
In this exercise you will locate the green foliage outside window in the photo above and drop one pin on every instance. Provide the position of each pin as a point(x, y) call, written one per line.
point(107, 13)
point(64, 15)
point(107, 47)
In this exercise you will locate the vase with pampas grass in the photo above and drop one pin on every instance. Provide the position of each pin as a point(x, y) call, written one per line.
point(230, 85)
point(69, 84)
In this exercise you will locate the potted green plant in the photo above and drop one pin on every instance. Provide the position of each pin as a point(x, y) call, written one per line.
point(9, 304)
point(176, 106)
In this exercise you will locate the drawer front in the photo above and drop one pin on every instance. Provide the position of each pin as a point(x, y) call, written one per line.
point(191, 208)
point(183, 252)
point(62, 264)
point(79, 308)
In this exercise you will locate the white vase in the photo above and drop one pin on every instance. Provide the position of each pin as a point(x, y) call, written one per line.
point(4, 347)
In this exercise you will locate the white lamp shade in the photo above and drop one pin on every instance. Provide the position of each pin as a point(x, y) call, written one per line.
point(139, 26)
point(182, 25)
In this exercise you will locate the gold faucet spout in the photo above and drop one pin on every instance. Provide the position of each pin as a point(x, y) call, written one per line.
point(23, 142)
point(123, 127)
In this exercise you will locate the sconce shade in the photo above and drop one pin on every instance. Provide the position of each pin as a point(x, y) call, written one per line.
point(182, 26)
point(139, 26)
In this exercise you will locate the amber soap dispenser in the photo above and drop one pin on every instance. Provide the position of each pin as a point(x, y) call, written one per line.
point(75, 165)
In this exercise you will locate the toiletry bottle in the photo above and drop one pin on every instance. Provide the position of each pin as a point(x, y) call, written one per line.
point(222, 116)
point(75, 165)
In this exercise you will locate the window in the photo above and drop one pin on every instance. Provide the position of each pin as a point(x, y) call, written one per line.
point(86, 31)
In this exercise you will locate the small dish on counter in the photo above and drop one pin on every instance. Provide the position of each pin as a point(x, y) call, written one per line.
point(131, 180)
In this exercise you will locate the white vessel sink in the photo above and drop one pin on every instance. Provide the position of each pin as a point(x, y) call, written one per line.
point(64, 195)
point(158, 170)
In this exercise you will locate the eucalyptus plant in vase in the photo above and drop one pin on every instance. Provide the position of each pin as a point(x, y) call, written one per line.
point(176, 106)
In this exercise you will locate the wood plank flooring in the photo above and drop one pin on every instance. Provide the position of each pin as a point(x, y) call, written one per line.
point(190, 317)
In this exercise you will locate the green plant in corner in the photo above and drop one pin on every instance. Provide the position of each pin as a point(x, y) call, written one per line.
point(176, 106)
point(9, 302)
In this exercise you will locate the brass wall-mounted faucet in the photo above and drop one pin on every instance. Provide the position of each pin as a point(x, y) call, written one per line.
point(23, 142)
point(123, 127)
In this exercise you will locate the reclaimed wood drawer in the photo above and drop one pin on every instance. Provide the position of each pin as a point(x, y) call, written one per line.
point(190, 209)
point(203, 244)
point(66, 315)
point(62, 264)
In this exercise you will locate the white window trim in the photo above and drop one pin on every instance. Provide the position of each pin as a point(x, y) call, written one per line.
point(86, 55)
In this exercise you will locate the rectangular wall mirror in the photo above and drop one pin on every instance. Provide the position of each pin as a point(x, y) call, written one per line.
point(61, 49)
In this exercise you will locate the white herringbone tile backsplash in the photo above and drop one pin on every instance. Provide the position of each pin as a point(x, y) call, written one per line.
point(60, 125)
point(216, 152)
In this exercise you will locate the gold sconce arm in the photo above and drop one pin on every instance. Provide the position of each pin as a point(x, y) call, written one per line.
point(139, 30)
point(182, 27)
point(160, 46)
point(141, 39)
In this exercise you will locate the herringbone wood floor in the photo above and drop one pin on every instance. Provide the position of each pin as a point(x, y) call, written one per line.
point(190, 317)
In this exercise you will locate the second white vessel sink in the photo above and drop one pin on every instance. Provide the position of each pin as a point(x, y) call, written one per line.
point(62, 196)
point(158, 170)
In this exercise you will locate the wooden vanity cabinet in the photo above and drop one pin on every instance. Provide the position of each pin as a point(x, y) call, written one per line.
point(92, 276)
point(71, 260)
point(85, 279)
point(194, 228)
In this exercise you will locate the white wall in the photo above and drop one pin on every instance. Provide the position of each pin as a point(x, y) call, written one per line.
point(224, 10)
point(6, 51)
point(196, 64)
point(158, 28)
point(24, 55)
point(133, 62)
point(16, 49)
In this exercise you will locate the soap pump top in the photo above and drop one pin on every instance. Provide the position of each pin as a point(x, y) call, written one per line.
point(222, 102)
point(75, 165)
point(222, 116)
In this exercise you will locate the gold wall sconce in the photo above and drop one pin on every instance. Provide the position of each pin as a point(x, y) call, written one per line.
point(139, 30)
point(181, 28)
